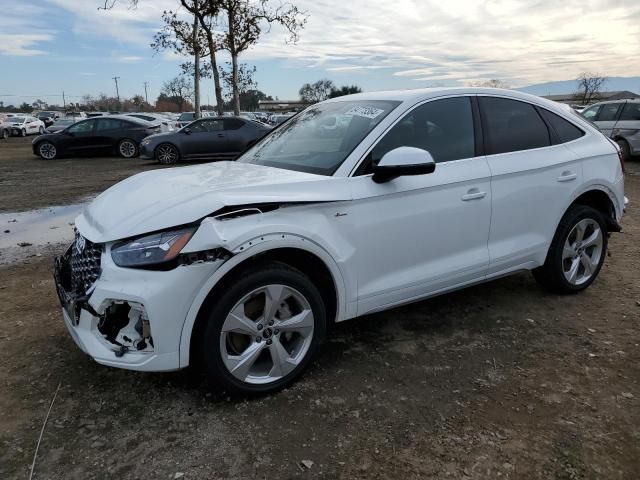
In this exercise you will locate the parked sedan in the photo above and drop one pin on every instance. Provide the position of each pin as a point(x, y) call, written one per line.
point(48, 117)
point(60, 125)
point(213, 138)
point(103, 135)
point(165, 124)
point(5, 129)
point(620, 121)
point(241, 267)
point(25, 125)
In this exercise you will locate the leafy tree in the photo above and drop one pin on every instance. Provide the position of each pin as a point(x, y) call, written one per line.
point(316, 92)
point(25, 108)
point(244, 21)
point(344, 90)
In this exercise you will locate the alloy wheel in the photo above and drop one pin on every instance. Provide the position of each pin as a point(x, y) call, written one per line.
point(47, 151)
point(127, 149)
point(167, 154)
point(582, 251)
point(23, 133)
point(267, 334)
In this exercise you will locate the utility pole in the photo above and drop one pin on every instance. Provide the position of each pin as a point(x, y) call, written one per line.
point(117, 91)
point(146, 98)
point(64, 103)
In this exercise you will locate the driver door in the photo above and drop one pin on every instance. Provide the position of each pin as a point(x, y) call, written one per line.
point(78, 138)
point(206, 139)
point(417, 235)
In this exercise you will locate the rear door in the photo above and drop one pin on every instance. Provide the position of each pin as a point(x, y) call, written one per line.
point(608, 117)
point(533, 176)
point(107, 133)
point(628, 126)
point(237, 134)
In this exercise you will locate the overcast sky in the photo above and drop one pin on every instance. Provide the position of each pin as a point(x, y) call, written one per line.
point(47, 46)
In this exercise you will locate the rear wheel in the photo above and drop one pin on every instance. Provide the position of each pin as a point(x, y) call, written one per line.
point(47, 150)
point(577, 251)
point(23, 133)
point(127, 148)
point(167, 154)
point(263, 331)
point(5, 134)
point(625, 149)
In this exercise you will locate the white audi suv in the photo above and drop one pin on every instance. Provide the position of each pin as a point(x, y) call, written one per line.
point(356, 205)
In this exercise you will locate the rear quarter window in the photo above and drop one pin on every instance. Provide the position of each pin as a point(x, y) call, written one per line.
point(564, 130)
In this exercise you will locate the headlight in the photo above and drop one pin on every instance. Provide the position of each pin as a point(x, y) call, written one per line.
point(146, 141)
point(152, 249)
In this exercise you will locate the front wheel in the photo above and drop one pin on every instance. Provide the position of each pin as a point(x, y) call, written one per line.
point(5, 134)
point(47, 150)
point(625, 149)
point(263, 331)
point(577, 251)
point(167, 154)
point(23, 133)
point(127, 148)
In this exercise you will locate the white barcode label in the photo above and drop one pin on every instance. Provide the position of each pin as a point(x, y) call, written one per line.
point(366, 112)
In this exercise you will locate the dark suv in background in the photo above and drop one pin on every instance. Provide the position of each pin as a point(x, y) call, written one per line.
point(620, 121)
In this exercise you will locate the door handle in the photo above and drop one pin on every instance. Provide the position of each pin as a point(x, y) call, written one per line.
point(473, 194)
point(567, 176)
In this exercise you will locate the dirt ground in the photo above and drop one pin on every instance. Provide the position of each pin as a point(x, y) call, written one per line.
point(500, 380)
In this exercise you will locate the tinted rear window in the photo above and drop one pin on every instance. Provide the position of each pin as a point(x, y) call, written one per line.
point(565, 130)
point(233, 124)
point(512, 126)
point(609, 112)
point(631, 111)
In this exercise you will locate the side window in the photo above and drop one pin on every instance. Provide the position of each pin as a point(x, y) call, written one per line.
point(108, 124)
point(591, 112)
point(233, 123)
point(609, 112)
point(82, 127)
point(442, 127)
point(512, 126)
point(565, 130)
point(631, 111)
point(212, 125)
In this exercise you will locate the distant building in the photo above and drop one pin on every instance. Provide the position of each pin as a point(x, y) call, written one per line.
point(573, 99)
point(282, 105)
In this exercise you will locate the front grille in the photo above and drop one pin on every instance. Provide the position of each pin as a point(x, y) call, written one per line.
point(84, 263)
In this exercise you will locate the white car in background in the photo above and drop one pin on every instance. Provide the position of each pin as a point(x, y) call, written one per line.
point(240, 267)
point(163, 122)
point(25, 125)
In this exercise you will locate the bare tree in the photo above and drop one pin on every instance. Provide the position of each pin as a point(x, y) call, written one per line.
point(244, 21)
point(589, 87)
point(178, 89)
point(245, 80)
point(316, 92)
point(184, 38)
point(493, 83)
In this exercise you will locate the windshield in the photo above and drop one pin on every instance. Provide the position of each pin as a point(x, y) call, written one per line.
point(187, 116)
point(63, 122)
point(17, 119)
point(320, 138)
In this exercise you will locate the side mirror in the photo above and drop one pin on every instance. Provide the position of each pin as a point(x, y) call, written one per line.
point(186, 131)
point(403, 161)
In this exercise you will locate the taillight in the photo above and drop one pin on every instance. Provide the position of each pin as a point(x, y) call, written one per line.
point(621, 157)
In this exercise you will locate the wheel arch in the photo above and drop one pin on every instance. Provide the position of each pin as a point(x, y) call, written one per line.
point(600, 199)
point(315, 262)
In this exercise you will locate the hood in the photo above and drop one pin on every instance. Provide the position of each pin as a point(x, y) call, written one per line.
point(160, 136)
point(161, 199)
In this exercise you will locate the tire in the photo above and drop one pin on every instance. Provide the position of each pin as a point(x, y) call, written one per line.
point(47, 150)
point(625, 149)
point(574, 268)
point(275, 352)
point(23, 133)
point(167, 154)
point(127, 148)
point(5, 134)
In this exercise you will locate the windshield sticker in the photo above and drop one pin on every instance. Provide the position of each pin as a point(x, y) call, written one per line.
point(366, 112)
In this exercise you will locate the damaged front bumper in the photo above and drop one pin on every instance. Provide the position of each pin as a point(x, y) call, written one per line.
point(130, 318)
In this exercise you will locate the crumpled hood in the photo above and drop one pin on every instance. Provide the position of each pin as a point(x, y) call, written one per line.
point(160, 199)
